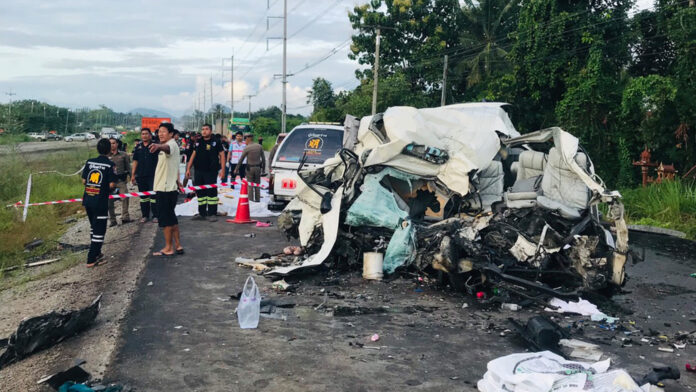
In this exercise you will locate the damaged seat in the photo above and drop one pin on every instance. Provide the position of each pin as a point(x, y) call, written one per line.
point(563, 191)
point(530, 167)
point(489, 185)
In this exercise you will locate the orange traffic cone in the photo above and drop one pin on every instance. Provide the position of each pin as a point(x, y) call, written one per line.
point(243, 215)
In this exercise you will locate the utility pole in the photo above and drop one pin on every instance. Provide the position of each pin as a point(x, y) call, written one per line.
point(231, 87)
point(67, 115)
point(285, 70)
point(283, 105)
point(376, 74)
point(212, 109)
point(443, 99)
point(10, 94)
point(250, 97)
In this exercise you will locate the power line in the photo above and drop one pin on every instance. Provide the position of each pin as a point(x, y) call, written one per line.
point(313, 20)
point(323, 58)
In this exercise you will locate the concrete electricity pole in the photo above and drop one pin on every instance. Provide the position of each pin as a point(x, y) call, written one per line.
point(443, 99)
point(231, 87)
point(212, 109)
point(285, 69)
point(376, 74)
point(10, 94)
point(250, 97)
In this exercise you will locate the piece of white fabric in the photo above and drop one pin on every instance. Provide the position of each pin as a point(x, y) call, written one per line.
point(467, 132)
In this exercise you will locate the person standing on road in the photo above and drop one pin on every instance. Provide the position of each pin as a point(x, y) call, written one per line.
point(273, 151)
point(123, 169)
point(143, 173)
point(167, 185)
point(208, 160)
point(235, 151)
point(256, 162)
point(98, 177)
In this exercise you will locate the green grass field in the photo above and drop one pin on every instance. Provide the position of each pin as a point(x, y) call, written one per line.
point(671, 205)
point(44, 222)
point(9, 139)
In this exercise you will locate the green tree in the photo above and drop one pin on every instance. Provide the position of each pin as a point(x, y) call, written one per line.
point(415, 35)
point(485, 30)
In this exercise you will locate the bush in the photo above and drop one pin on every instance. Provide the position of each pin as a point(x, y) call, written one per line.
point(671, 204)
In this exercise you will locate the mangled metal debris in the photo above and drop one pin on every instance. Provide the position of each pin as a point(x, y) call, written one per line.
point(457, 189)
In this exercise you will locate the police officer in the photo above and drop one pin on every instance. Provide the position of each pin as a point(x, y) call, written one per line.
point(208, 160)
point(123, 170)
point(143, 172)
point(256, 162)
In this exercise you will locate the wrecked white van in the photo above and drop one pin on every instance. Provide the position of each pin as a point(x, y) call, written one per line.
point(459, 190)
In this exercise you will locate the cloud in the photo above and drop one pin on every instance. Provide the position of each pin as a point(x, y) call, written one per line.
point(159, 53)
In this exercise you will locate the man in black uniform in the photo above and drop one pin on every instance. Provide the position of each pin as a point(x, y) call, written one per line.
point(208, 160)
point(144, 164)
point(99, 177)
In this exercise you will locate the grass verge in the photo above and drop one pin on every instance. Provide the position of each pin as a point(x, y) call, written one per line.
point(670, 205)
point(14, 139)
point(44, 222)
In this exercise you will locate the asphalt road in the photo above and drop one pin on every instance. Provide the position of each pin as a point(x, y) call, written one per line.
point(182, 334)
point(34, 147)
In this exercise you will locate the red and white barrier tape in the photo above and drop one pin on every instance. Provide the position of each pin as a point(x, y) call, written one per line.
point(138, 194)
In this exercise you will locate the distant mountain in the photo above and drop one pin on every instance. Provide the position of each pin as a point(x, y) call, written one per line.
point(149, 112)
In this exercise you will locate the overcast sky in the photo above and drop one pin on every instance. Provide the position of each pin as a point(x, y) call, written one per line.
point(159, 54)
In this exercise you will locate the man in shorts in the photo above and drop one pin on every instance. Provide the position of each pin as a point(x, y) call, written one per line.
point(167, 185)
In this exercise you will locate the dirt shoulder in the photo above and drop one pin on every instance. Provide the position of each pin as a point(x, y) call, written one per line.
point(126, 247)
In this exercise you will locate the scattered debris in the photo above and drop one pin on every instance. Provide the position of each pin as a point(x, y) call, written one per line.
point(661, 373)
point(582, 350)
point(30, 265)
point(541, 333)
point(263, 224)
point(38, 333)
point(280, 285)
point(75, 374)
point(31, 245)
point(374, 338)
point(150, 283)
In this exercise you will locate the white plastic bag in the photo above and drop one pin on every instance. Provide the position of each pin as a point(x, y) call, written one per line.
point(249, 305)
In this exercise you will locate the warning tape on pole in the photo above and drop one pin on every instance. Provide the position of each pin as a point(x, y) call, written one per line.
point(139, 194)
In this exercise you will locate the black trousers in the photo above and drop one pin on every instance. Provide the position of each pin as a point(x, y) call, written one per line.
point(207, 198)
point(242, 169)
point(97, 221)
point(147, 203)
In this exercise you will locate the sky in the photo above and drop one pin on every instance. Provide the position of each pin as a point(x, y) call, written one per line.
point(160, 54)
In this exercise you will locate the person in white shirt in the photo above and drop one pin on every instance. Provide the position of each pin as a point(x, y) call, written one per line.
point(235, 152)
point(167, 185)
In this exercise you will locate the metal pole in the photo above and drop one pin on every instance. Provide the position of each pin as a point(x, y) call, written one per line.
point(67, 115)
point(443, 99)
point(376, 75)
point(285, 75)
point(232, 87)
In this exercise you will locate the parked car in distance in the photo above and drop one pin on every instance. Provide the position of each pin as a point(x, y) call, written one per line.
point(318, 142)
point(37, 136)
point(83, 137)
point(107, 133)
point(53, 136)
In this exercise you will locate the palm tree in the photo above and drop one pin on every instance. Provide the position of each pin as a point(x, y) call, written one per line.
point(488, 23)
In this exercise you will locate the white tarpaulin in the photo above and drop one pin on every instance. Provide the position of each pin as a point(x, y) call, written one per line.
point(229, 198)
point(547, 372)
point(467, 132)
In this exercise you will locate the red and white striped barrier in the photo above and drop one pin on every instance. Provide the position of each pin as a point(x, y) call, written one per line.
point(138, 194)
